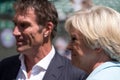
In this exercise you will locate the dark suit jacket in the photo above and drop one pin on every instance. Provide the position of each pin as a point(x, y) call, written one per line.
point(60, 68)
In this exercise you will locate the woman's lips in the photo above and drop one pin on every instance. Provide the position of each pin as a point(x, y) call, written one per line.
point(73, 53)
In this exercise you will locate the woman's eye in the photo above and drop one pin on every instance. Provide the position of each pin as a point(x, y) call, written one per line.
point(73, 39)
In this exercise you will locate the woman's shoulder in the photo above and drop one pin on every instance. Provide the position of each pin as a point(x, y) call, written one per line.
point(106, 71)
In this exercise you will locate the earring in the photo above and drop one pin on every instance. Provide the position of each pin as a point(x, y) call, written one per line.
point(45, 35)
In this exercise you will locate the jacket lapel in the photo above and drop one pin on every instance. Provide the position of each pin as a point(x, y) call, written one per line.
point(55, 68)
point(15, 69)
point(12, 69)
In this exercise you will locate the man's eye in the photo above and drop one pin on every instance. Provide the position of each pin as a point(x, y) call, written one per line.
point(24, 25)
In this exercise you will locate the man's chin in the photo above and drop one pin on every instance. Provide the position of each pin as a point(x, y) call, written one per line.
point(20, 49)
point(23, 49)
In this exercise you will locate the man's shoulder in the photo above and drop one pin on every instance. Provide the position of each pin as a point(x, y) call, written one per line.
point(9, 60)
point(69, 70)
point(61, 59)
point(9, 67)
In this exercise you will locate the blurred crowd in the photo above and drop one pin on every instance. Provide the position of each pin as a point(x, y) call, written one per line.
point(7, 40)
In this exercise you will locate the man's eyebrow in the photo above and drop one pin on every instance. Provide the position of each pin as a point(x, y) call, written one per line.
point(25, 22)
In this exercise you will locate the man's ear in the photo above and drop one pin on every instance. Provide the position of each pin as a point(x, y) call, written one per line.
point(48, 29)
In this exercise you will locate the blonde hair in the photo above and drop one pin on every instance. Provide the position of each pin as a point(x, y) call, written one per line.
point(101, 28)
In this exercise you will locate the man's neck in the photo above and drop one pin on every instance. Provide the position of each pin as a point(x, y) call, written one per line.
point(36, 55)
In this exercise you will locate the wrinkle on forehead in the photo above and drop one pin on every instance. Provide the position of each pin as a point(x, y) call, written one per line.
point(24, 14)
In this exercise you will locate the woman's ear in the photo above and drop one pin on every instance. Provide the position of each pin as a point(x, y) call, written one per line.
point(98, 50)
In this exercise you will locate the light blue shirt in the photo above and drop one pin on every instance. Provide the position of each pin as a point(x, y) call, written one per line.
point(106, 71)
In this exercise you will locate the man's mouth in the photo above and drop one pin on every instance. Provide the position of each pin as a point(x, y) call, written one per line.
point(19, 43)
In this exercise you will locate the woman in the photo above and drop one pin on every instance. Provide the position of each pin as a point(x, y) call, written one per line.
point(95, 42)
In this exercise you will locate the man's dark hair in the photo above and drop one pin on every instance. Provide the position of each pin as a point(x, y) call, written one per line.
point(45, 11)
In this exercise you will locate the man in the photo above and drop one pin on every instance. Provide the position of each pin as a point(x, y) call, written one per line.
point(35, 26)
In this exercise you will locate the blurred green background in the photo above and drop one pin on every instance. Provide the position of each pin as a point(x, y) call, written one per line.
point(7, 41)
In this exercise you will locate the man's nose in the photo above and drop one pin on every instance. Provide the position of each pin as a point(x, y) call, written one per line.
point(16, 31)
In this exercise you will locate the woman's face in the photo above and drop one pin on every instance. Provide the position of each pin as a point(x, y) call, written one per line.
point(80, 52)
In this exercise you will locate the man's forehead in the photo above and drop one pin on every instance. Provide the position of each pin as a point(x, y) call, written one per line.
point(25, 14)
point(24, 19)
point(27, 11)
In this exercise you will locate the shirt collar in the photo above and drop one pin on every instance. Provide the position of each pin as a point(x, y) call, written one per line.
point(44, 63)
point(21, 58)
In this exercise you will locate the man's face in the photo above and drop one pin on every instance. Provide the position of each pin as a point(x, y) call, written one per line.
point(28, 33)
